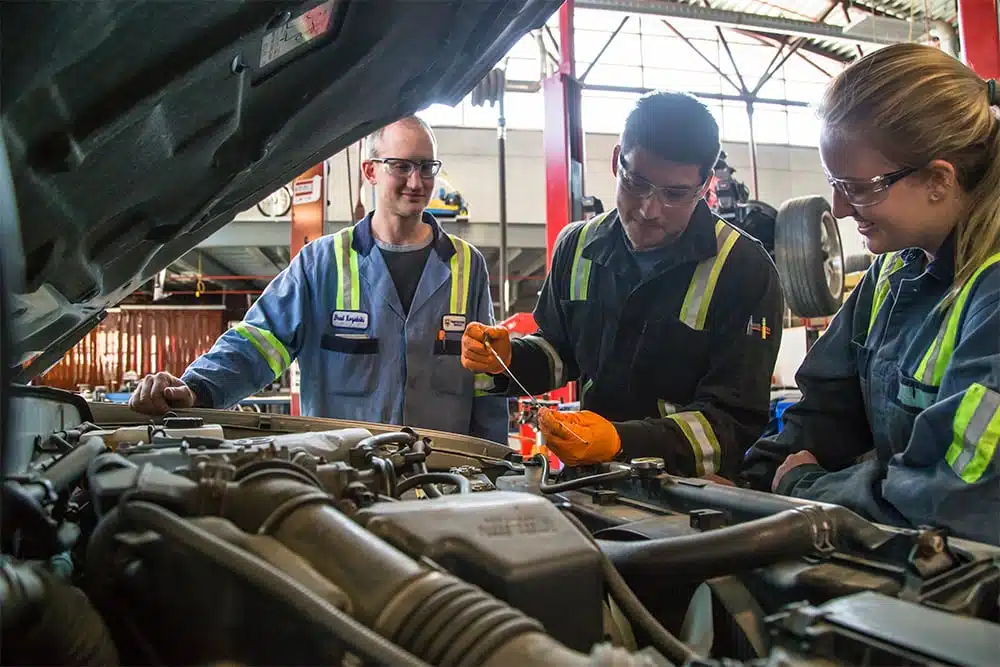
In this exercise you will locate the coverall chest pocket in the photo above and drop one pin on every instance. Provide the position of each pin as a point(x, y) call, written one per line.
point(585, 326)
point(449, 377)
point(352, 364)
point(670, 357)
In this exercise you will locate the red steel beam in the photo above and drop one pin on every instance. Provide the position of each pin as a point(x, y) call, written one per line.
point(979, 29)
point(308, 218)
point(562, 138)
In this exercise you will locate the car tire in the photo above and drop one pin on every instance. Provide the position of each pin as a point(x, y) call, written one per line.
point(809, 257)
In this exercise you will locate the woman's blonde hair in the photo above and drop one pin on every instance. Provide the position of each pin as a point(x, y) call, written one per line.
point(915, 104)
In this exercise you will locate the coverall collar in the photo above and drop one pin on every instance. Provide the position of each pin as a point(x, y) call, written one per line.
point(608, 245)
point(375, 273)
point(364, 240)
point(943, 265)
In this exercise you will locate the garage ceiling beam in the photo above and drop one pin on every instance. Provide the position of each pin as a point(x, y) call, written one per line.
point(209, 267)
point(731, 19)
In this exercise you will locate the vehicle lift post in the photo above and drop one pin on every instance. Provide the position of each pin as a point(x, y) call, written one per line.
point(562, 138)
point(979, 29)
point(309, 206)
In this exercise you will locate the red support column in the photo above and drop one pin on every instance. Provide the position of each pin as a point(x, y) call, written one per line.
point(308, 218)
point(562, 138)
point(979, 29)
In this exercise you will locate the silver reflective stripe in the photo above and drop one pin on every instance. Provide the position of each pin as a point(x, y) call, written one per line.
point(267, 345)
point(700, 435)
point(556, 368)
point(973, 439)
point(483, 385)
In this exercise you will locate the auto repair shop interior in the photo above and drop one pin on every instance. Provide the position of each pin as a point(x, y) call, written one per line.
point(174, 174)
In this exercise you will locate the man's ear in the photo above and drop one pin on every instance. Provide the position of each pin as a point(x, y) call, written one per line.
point(368, 169)
point(614, 159)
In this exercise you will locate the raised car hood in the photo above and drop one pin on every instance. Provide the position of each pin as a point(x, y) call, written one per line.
point(137, 129)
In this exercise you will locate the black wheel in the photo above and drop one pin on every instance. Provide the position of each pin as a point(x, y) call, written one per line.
point(809, 257)
point(855, 263)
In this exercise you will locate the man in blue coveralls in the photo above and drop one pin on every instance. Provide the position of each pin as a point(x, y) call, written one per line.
point(374, 314)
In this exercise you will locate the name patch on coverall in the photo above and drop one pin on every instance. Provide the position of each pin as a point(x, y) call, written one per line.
point(350, 319)
point(453, 323)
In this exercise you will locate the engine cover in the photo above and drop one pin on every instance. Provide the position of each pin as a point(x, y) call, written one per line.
point(515, 546)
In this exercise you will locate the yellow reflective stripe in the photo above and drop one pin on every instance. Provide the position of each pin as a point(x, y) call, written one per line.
point(704, 443)
point(935, 360)
point(270, 348)
point(348, 282)
point(460, 263)
point(579, 275)
point(483, 385)
point(893, 262)
point(976, 431)
point(694, 309)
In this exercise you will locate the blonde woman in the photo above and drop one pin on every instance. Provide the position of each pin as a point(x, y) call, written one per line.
point(900, 415)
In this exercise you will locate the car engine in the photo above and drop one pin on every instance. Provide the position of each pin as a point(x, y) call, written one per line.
point(299, 541)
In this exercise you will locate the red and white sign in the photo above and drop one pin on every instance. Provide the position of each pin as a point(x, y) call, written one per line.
point(307, 191)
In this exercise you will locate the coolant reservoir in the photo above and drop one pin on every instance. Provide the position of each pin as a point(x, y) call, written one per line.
point(173, 427)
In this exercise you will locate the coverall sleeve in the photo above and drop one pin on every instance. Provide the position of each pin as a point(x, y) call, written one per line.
point(830, 420)
point(490, 419)
point(544, 360)
point(730, 407)
point(259, 349)
point(948, 474)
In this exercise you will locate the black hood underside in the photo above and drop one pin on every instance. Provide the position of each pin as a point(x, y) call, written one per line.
point(137, 129)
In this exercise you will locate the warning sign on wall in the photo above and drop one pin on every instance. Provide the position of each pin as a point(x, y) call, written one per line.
point(307, 191)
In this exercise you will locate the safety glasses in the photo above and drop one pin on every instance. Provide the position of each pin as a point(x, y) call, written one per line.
point(869, 191)
point(403, 168)
point(669, 195)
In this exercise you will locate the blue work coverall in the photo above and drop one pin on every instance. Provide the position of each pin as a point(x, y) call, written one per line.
point(336, 310)
point(901, 402)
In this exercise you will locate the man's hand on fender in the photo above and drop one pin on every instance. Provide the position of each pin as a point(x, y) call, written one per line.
point(159, 393)
point(476, 357)
point(792, 461)
point(579, 438)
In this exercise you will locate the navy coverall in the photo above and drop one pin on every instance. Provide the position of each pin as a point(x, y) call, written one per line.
point(679, 361)
point(900, 402)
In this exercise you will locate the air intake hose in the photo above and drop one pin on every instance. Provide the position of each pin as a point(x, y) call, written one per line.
point(790, 534)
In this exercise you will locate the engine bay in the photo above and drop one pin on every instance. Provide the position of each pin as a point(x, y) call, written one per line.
point(221, 537)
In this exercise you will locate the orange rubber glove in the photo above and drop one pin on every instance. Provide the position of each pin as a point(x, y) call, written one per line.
point(476, 357)
point(598, 440)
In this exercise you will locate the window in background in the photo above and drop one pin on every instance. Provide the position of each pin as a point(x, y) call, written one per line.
point(648, 54)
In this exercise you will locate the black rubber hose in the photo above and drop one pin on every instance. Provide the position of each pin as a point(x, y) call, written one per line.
point(401, 438)
point(578, 483)
point(70, 468)
point(361, 639)
point(48, 622)
point(785, 536)
point(424, 479)
point(432, 491)
point(670, 646)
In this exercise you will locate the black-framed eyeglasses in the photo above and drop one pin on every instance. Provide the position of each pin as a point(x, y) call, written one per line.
point(670, 195)
point(402, 167)
point(869, 191)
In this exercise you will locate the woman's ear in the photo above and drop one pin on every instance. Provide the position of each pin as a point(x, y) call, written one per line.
point(942, 180)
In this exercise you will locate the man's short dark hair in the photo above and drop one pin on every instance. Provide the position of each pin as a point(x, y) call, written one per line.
point(675, 127)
